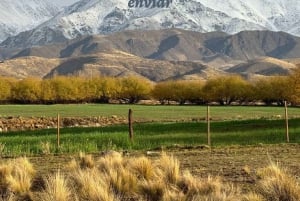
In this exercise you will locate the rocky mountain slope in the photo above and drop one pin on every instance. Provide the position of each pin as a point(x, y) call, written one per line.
point(111, 63)
point(216, 48)
point(88, 17)
point(22, 15)
point(161, 55)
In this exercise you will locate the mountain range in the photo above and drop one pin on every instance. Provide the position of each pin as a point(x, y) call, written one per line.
point(161, 55)
point(89, 17)
point(191, 39)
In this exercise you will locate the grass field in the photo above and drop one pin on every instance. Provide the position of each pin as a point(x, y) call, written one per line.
point(149, 136)
point(166, 126)
point(178, 130)
point(148, 112)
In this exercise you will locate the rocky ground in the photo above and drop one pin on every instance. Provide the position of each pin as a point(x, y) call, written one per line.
point(32, 123)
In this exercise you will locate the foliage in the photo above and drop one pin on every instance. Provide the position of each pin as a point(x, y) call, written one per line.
point(5, 88)
point(225, 90)
point(272, 90)
point(27, 91)
point(294, 87)
point(133, 89)
point(181, 91)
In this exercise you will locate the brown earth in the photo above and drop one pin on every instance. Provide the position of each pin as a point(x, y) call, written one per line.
point(233, 164)
point(27, 123)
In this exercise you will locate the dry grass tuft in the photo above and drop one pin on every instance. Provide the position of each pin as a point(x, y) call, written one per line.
point(92, 186)
point(170, 167)
point(143, 168)
point(277, 185)
point(110, 161)
point(5, 170)
point(207, 189)
point(2, 149)
point(19, 180)
point(152, 190)
point(123, 182)
point(57, 188)
point(86, 161)
point(45, 148)
point(9, 196)
point(173, 195)
point(114, 178)
point(252, 197)
point(72, 165)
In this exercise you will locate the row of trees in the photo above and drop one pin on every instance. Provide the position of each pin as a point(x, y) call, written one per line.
point(224, 90)
point(74, 90)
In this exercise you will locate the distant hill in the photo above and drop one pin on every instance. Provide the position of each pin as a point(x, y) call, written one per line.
point(27, 67)
point(175, 44)
point(113, 63)
point(266, 66)
point(166, 54)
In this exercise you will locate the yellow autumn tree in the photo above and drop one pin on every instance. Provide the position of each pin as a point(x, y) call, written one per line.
point(5, 88)
point(162, 92)
point(134, 89)
point(27, 91)
point(294, 86)
point(226, 89)
point(272, 90)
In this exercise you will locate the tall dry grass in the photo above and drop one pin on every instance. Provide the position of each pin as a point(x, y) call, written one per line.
point(57, 188)
point(91, 185)
point(117, 178)
point(276, 184)
point(19, 174)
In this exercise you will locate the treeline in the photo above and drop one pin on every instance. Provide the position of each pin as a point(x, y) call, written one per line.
point(224, 90)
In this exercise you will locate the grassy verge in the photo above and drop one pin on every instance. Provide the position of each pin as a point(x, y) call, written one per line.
point(149, 136)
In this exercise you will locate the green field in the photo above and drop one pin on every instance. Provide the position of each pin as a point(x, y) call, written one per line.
point(166, 126)
point(148, 136)
point(149, 112)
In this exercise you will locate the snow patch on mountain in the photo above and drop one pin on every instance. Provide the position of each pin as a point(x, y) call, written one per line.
point(21, 15)
point(88, 17)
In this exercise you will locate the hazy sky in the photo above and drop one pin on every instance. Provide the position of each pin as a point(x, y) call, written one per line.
point(64, 2)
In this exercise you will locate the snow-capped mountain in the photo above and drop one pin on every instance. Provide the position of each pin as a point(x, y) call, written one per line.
point(64, 3)
point(104, 17)
point(22, 15)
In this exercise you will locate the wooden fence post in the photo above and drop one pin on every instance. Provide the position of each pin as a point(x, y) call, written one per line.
point(130, 122)
point(58, 131)
point(208, 126)
point(286, 123)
